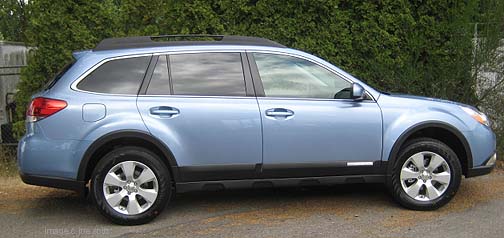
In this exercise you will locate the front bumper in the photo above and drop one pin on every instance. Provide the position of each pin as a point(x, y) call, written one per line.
point(78, 186)
point(488, 166)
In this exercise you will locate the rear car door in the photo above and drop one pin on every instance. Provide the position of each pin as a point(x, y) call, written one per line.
point(202, 106)
point(311, 127)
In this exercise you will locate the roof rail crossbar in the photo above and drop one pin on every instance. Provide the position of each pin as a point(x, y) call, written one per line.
point(181, 40)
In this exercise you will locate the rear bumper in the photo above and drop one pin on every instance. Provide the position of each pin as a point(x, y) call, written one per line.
point(78, 186)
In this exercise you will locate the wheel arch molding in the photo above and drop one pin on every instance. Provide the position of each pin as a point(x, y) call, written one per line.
point(124, 137)
point(414, 130)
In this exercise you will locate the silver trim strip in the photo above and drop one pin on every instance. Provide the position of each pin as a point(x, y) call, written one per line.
point(359, 163)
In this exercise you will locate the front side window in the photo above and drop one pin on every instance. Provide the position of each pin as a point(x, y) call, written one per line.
point(120, 76)
point(292, 77)
point(207, 74)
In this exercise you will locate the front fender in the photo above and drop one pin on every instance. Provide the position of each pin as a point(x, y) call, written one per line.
point(403, 117)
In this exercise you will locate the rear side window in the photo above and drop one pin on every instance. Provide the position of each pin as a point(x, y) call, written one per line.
point(121, 76)
point(207, 74)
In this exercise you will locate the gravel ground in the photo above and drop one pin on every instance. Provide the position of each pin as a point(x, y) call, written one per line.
point(340, 211)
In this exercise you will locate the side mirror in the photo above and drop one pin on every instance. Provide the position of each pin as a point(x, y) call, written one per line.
point(357, 92)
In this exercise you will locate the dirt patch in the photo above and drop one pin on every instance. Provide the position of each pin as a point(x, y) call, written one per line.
point(16, 195)
point(472, 192)
point(351, 207)
point(500, 165)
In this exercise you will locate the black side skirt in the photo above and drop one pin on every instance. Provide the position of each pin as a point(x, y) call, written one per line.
point(278, 182)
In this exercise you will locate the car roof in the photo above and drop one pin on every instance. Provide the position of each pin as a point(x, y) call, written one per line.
point(182, 40)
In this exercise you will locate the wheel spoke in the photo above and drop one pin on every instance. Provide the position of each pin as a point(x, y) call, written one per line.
point(435, 162)
point(443, 177)
point(112, 179)
point(407, 173)
point(133, 206)
point(128, 168)
point(414, 189)
point(146, 176)
point(115, 198)
point(418, 161)
point(432, 192)
point(149, 195)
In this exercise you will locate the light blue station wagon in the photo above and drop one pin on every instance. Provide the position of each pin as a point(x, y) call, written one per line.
point(137, 119)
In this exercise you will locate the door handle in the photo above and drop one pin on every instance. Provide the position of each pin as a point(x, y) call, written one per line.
point(164, 111)
point(279, 112)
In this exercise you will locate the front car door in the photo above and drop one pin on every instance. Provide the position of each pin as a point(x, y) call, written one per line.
point(202, 106)
point(311, 127)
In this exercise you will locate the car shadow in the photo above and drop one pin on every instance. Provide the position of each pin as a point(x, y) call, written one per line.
point(60, 205)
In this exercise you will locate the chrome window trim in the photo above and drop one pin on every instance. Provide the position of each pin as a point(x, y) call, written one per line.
point(197, 96)
point(258, 98)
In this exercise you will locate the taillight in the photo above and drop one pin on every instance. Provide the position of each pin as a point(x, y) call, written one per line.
point(41, 108)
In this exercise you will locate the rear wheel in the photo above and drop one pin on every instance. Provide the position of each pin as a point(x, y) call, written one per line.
point(426, 175)
point(131, 185)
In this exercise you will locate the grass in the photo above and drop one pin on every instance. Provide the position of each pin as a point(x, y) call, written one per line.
point(8, 167)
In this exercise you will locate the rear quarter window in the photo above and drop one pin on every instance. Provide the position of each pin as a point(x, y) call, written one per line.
point(120, 76)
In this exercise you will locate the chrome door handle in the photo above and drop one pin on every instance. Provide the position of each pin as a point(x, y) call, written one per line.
point(279, 112)
point(164, 111)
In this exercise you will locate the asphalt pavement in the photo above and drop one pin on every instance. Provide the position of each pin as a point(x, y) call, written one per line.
point(362, 210)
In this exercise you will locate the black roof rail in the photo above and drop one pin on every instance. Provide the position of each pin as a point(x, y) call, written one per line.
point(182, 40)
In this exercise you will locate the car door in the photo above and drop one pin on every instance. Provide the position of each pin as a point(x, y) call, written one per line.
point(311, 127)
point(202, 106)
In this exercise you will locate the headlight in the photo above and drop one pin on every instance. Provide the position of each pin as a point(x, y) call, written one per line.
point(478, 116)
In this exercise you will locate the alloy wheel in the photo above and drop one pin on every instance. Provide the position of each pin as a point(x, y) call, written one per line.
point(425, 176)
point(130, 187)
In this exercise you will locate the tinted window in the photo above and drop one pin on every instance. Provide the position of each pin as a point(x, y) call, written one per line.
point(122, 76)
point(209, 74)
point(287, 76)
point(160, 84)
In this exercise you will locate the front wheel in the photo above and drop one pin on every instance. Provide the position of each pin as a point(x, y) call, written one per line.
point(130, 185)
point(426, 175)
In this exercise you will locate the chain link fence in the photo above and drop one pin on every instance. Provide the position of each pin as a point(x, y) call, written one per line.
point(13, 57)
point(8, 141)
point(9, 77)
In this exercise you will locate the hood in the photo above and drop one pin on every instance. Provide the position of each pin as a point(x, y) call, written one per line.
point(428, 99)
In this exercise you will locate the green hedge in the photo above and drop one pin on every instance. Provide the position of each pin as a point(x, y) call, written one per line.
point(418, 47)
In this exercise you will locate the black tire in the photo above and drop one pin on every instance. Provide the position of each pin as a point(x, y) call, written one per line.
point(418, 145)
point(144, 156)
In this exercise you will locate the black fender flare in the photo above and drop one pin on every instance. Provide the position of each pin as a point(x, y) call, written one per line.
point(428, 124)
point(137, 134)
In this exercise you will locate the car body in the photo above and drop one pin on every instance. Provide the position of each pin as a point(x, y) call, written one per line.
point(265, 131)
